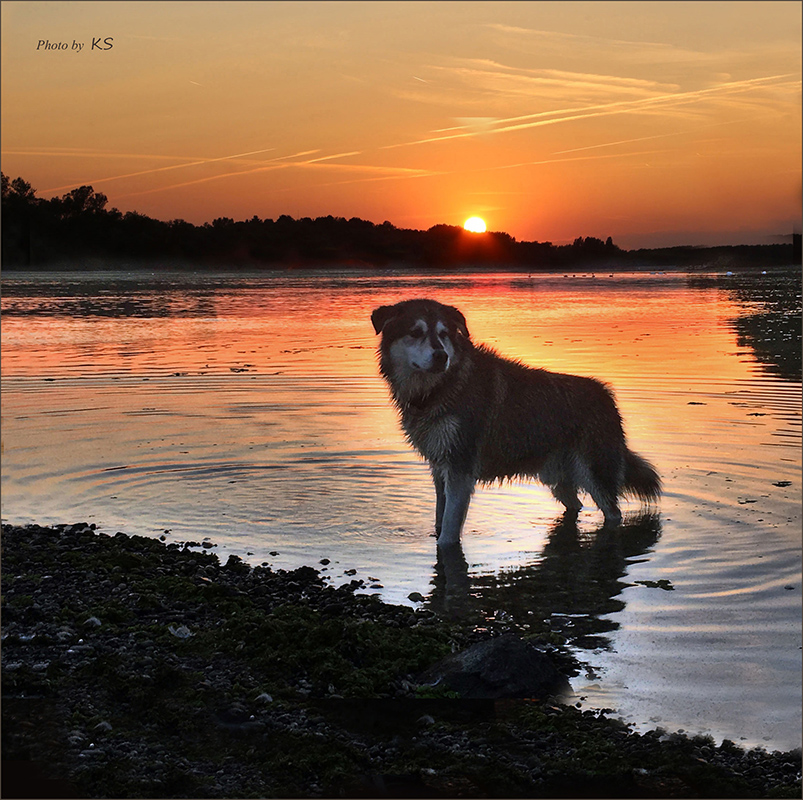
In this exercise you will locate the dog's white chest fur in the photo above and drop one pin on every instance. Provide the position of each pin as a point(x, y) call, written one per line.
point(433, 438)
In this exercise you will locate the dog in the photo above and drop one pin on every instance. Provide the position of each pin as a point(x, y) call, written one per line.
point(477, 417)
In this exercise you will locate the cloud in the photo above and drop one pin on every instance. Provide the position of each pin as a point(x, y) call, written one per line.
point(196, 163)
point(470, 83)
point(473, 124)
point(491, 75)
point(648, 138)
point(284, 162)
point(627, 51)
point(663, 102)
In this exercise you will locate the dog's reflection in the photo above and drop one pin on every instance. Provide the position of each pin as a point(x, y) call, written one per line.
point(573, 584)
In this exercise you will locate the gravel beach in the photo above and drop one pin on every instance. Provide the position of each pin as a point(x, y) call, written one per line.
point(133, 668)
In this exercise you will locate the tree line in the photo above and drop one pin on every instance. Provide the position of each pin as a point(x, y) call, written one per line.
point(79, 227)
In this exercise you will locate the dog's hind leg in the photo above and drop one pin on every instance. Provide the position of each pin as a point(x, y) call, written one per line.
point(604, 493)
point(458, 488)
point(566, 493)
point(559, 473)
point(601, 481)
point(610, 510)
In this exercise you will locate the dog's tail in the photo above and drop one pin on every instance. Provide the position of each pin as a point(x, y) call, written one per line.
point(641, 479)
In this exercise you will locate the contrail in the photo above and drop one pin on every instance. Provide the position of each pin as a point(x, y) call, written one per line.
point(162, 169)
point(605, 109)
point(337, 155)
point(575, 158)
point(648, 138)
point(268, 165)
point(622, 141)
point(274, 164)
point(423, 174)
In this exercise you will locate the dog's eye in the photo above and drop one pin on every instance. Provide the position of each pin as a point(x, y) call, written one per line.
point(416, 333)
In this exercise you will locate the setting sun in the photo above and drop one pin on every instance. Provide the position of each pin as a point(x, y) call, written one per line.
point(475, 225)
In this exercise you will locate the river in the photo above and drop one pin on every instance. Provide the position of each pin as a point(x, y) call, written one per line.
point(247, 410)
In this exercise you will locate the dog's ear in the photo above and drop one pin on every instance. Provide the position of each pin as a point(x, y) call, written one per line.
point(381, 316)
point(457, 319)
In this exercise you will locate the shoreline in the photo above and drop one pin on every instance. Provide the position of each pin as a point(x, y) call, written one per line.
point(135, 668)
point(166, 267)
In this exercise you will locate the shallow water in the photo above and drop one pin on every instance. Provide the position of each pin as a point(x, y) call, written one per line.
point(248, 409)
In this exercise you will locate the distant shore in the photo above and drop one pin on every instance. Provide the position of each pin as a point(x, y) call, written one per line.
point(38, 233)
point(134, 668)
point(156, 267)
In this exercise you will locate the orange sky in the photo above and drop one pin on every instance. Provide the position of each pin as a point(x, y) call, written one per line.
point(654, 123)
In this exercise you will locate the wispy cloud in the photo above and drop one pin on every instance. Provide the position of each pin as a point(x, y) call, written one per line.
point(83, 152)
point(155, 170)
point(336, 155)
point(649, 138)
point(494, 86)
point(539, 162)
point(660, 101)
point(626, 51)
point(271, 164)
point(570, 38)
point(543, 161)
point(621, 141)
point(250, 166)
point(486, 74)
point(286, 162)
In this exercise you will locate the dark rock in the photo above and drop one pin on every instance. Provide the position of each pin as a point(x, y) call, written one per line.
point(503, 667)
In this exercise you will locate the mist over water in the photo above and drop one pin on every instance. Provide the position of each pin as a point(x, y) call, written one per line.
point(247, 409)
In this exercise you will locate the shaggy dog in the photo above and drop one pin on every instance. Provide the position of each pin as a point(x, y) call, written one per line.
point(478, 417)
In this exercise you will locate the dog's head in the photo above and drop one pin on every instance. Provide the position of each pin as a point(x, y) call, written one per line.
point(421, 341)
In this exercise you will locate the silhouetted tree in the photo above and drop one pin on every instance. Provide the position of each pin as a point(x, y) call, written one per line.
point(78, 202)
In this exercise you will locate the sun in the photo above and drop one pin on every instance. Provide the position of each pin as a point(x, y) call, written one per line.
point(475, 225)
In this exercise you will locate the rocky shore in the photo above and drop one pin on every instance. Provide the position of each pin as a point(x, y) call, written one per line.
point(132, 668)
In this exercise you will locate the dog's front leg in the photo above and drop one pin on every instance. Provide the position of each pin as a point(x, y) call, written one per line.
point(440, 498)
point(458, 488)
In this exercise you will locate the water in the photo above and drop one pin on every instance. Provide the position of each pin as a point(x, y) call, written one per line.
point(248, 410)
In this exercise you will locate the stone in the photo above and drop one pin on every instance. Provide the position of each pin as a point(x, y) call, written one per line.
point(498, 668)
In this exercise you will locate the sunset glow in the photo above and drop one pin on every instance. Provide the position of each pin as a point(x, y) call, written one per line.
point(475, 225)
point(654, 123)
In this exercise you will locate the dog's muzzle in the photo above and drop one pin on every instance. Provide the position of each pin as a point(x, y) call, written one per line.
point(440, 358)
